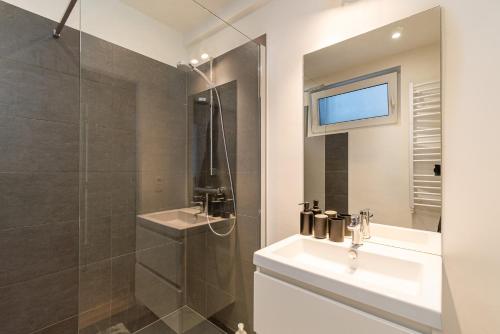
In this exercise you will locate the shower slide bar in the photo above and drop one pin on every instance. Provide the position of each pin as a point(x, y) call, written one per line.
point(57, 31)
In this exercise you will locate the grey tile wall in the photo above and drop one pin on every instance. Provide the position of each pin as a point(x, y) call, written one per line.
point(39, 303)
point(336, 172)
point(39, 165)
point(199, 138)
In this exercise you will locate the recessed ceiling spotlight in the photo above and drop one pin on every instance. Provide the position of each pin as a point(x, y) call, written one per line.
point(194, 61)
point(204, 56)
point(396, 35)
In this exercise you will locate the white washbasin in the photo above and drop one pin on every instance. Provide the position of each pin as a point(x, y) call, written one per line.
point(179, 219)
point(398, 281)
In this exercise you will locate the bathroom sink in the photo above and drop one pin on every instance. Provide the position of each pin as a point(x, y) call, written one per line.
point(179, 219)
point(399, 281)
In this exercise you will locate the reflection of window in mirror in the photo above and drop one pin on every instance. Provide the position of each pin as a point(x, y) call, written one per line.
point(368, 100)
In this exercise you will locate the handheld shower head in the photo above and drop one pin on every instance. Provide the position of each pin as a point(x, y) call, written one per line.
point(182, 66)
point(187, 68)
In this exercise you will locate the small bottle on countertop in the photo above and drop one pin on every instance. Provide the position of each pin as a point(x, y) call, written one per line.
point(316, 210)
point(306, 220)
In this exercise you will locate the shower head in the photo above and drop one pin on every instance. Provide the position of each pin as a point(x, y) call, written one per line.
point(187, 68)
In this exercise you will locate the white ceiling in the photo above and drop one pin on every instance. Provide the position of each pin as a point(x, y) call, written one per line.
point(181, 15)
point(417, 31)
point(191, 18)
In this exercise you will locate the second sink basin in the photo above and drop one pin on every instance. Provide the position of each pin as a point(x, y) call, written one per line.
point(398, 281)
point(179, 219)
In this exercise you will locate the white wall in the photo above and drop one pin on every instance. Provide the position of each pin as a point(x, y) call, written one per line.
point(117, 23)
point(471, 49)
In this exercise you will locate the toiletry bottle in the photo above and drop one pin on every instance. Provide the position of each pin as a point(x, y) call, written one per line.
point(316, 210)
point(306, 220)
point(241, 329)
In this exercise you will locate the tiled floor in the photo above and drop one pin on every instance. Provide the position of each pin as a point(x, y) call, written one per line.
point(183, 321)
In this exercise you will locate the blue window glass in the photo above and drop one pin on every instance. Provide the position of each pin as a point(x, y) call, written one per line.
point(360, 104)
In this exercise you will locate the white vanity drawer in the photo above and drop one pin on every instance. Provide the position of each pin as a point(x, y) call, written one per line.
point(280, 307)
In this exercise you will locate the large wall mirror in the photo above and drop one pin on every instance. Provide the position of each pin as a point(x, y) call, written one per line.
point(373, 124)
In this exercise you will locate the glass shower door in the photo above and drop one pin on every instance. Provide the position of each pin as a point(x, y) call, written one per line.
point(148, 260)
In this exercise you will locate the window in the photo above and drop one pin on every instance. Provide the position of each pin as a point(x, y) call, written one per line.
point(352, 106)
point(366, 101)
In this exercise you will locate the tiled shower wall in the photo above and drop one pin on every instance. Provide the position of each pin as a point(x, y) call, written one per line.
point(336, 172)
point(220, 270)
point(199, 139)
point(39, 164)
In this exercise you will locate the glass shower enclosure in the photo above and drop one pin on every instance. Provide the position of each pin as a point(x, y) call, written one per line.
point(131, 169)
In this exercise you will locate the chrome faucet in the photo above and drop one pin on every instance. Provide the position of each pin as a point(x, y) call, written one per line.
point(356, 230)
point(202, 207)
point(366, 216)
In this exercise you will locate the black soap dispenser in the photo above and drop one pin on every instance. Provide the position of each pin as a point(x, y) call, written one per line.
point(316, 210)
point(306, 220)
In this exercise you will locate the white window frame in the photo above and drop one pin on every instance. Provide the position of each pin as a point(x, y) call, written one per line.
point(389, 77)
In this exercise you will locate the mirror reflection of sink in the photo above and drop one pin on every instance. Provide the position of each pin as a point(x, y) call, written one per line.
point(398, 281)
point(179, 219)
point(407, 238)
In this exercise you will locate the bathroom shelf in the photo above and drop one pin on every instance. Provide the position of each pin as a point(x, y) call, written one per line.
point(425, 145)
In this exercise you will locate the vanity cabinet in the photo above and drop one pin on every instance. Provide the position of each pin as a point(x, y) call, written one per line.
point(281, 307)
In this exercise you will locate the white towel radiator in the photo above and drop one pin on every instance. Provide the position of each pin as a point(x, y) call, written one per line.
point(425, 145)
